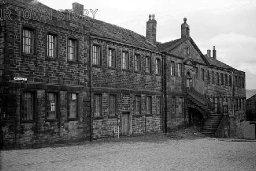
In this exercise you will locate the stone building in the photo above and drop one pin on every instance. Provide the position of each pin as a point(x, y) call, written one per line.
point(68, 77)
point(251, 108)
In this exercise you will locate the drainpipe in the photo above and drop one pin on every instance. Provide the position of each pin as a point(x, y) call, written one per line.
point(90, 89)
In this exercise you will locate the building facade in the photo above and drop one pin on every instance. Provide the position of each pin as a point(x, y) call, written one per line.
point(68, 77)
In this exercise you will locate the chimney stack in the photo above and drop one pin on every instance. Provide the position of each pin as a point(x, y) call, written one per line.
point(78, 8)
point(209, 53)
point(214, 52)
point(151, 29)
point(185, 32)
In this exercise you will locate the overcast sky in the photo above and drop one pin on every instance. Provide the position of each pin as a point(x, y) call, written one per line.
point(230, 25)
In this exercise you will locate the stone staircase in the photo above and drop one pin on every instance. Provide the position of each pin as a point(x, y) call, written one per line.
point(212, 123)
point(212, 119)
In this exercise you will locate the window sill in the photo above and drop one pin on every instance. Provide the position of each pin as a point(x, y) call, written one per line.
point(126, 70)
point(51, 120)
point(51, 58)
point(96, 66)
point(137, 115)
point(147, 115)
point(72, 119)
point(97, 117)
point(72, 62)
point(30, 121)
point(112, 117)
point(112, 68)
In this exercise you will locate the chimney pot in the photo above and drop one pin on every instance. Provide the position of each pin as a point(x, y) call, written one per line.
point(149, 16)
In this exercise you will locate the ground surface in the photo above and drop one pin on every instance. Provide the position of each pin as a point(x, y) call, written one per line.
point(151, 152)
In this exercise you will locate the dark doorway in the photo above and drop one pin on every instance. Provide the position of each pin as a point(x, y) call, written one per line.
point(195, 117)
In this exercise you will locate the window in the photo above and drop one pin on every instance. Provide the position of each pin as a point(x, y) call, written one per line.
point(28, 41)
point(236, 81)
point(226, 79)
point(173, 105)
point(149, 105)
point(28, 106)
point(213, 79)
point(218, 79)
point(208, 77)
point(137, 63)
point(137, 105)
point(96, 55)
point(179, 67)
point(158, 66)
point(51, 106)
point(222, 78)
point(112, 105)
point(125, 60)
point(187, 51)
point(172, 68)
point(158, 105)
point(197, 72)
point(111, 57)
point(230, 80)
point(243, 83)
point(202, 74)
point(51, 45)
point(97, 105)
point(148, 64)
point(72, 105)
point(72, 49)
point(179, 103)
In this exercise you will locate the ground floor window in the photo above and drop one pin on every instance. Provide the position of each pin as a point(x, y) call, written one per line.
point(28, 106)
point(112, 105)
point(72, 105)
point(51, 106)
point(149, 105)
point(97, 105)
point(158, 105)
point(137, 105)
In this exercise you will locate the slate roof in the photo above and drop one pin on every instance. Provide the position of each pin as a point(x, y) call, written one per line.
point(164, 47)
point(215, 62)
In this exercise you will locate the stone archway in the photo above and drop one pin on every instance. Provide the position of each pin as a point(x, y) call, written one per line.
point(196, 117)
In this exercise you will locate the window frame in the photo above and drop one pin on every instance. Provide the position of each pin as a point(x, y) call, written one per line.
point(55, 46)
point(136, 111)
point(148, 110)
point(172, 68)
point(148, 64)
point(75, 54)
point(100, 105)
point(111, 63)
point(115, 105)
point(137, 62)
point(31, 38)
point(158, 66)
point(179, 69)
point(77, 105)
point(158, 106)
point(125, 66)
point(33, 95)
point(56, 106)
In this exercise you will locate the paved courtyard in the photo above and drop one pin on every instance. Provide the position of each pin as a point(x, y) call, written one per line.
point(155, 152)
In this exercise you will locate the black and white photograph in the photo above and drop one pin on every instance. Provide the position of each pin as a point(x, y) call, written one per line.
point(127, 85)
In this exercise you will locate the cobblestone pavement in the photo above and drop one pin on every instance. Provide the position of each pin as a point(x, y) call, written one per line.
point(152, 153)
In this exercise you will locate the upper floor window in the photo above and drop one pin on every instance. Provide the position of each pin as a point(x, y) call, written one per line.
point(243, 83)
point(125, 60)
point(148, 64)
point(172, 68)
point(202, 74)
point(72, 49)
point(218, 79)
point(97, 105)
point(96, 55)
point(51, 106)
point(72, 105)
point(158, 66)
point(208, 77)
point(222, 78)
point(213, 77)
point(28, 41)
point(226, 79)
point(137, 62)
point(230, 80)
point(112, 105)
point(28, 106)
point(111, 58)
point(179, 67)
point(51, 45)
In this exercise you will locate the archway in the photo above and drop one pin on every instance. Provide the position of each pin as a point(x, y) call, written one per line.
point(196, 117)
